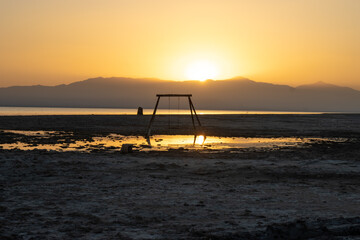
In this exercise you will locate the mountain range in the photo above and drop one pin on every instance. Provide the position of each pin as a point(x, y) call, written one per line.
point(231, 94)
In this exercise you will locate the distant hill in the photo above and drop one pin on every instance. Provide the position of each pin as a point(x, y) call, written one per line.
point(232, 94)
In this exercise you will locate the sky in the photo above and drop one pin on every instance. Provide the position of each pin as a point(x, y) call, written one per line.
point(291, 42)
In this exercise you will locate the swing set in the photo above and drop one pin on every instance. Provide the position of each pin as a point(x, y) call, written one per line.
point(194, 117)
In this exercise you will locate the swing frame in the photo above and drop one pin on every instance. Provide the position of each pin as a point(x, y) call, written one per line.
point(194, 116)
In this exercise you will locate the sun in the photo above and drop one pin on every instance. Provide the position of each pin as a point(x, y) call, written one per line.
point(201, 70)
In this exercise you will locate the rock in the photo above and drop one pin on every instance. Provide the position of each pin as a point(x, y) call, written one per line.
point(127, 148)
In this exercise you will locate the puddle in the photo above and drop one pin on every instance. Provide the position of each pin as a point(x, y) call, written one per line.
point(32, 140)
point(33, 133)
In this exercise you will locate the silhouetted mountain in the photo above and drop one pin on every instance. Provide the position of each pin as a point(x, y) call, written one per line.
point(236, 94)
point(326, 87)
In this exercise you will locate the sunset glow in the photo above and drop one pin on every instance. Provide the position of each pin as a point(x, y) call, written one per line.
point(201, 70)
point(282, 42)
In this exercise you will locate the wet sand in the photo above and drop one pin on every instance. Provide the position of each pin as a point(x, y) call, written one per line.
point(289, 192)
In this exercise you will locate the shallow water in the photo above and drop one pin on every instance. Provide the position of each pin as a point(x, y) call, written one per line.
point(31, 140)
point(26, 111)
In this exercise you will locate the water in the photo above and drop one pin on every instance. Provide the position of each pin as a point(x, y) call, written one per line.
point(27, 111)
point(66, 141)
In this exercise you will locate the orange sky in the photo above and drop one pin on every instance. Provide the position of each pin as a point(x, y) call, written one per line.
point(280, 41)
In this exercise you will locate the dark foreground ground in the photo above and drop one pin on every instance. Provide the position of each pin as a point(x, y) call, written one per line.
point(288, 193)
point(247, 125)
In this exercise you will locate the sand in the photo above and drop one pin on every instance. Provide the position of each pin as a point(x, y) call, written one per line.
point(256, 193)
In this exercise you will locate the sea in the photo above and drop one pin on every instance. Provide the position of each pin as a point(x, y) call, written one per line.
point(29, 111)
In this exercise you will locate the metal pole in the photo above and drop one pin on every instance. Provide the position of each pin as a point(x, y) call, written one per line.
point(197, 118)
point(153, 117)
point(192, 118)
point(169, 116)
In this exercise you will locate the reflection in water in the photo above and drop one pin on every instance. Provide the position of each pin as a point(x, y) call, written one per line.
point(33, 133)
point(175, 140)
point(200, 140)
point(23, 111)
point(32, 140)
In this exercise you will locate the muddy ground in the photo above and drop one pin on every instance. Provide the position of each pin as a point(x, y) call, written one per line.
point(311, 192)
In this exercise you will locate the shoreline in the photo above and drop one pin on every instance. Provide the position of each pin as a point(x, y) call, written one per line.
point(38, 111)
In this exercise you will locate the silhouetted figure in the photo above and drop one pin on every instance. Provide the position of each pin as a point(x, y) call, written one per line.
point(140, 111)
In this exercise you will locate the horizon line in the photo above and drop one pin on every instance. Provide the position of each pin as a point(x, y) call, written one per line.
point(236, 78)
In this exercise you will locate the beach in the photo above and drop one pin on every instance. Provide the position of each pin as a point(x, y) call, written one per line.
point(307, 190)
